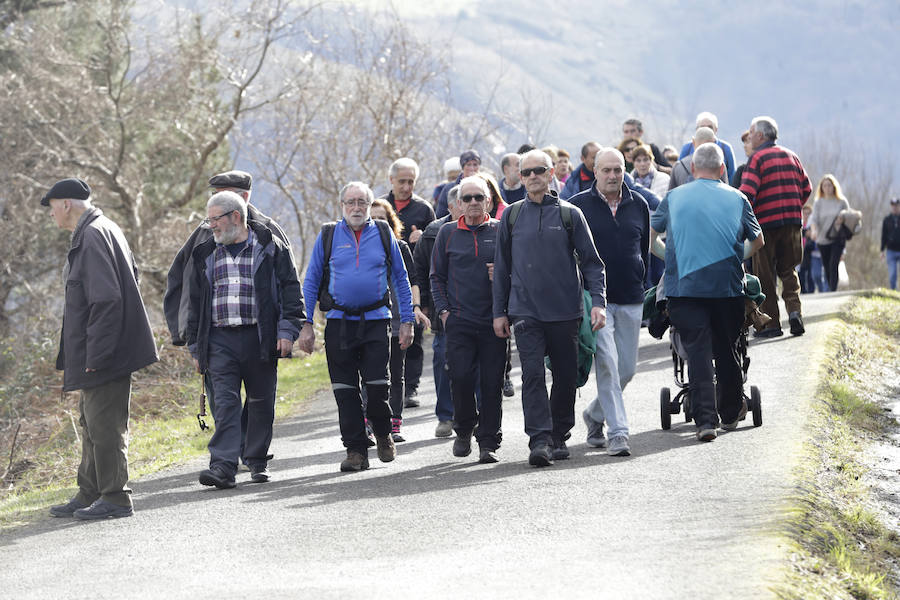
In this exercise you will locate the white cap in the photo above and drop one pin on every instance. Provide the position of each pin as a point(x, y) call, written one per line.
point(452, 164)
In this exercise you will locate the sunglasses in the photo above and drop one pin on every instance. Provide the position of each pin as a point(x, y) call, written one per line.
point(535, 170)
point(469, 197)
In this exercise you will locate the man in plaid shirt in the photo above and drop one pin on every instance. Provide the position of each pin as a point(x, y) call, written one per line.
point(246, 311)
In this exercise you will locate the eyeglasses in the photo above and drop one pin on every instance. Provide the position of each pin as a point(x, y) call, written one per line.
point(360, 202)
point(210, 220)
point(535, 170)
point(469, 197)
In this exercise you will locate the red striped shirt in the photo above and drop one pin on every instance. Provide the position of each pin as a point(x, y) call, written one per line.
point(777, 186)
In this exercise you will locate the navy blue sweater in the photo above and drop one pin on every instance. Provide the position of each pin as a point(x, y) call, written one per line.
point(459, 273)
point(623, 241)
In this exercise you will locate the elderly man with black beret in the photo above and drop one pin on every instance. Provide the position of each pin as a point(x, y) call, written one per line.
point(106, 336)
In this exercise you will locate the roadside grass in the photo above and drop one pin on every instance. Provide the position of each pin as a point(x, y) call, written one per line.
point(841, 546)
point(164, 432)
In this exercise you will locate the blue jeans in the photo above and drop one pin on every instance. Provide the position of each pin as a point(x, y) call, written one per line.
point(893, 263)
point(615, 363)
point(443, 407)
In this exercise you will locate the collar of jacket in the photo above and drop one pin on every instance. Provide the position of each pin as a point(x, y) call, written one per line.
point(461, 223)
point(86, 218)
point(550, 198)
point(626, 194)
point(585, 174)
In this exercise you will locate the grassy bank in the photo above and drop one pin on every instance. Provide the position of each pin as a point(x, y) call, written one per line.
point(842, 547)
point(164, 431)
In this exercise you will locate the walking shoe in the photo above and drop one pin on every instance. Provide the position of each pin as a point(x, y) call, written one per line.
point(487, 455)
point(462, 445)
point(742, 414)
point(595, 437)
point(540, 456)
point(410, 401)
point(217, 477)
point(395, 430)
point(707, 434)
point(444, 429)
point(771, 332)
point(560, 451)
point(354, 462)
point(67, 509)
point(509, 389)
point(796, 322)
point(618, 446)
point(370, 435)
point(101, 509)
point(386, 450)
point(259, 474)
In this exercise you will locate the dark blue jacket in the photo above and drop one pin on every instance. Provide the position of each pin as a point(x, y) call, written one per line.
point(535, 273)
point(441, 208)
point(510, 196)
point(623, 241)
point(459, 273)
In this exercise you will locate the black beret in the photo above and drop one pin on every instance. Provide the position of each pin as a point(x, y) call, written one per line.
point(232, 179)
point(71, 189)
point(469, 155)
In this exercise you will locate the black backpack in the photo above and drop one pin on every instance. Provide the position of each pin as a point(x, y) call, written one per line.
point(326, 302)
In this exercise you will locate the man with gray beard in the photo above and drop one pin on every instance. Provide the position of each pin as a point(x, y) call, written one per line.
point(245, 312)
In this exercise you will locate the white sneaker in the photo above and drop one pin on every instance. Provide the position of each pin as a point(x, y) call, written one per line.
point(618, 446)
point(595, 437)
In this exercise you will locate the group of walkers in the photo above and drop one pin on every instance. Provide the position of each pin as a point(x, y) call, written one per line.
point(547, 253)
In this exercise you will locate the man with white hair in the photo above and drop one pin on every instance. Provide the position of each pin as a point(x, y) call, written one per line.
point(707, 119)
point(537, 293)
point(415, 214)
point(105, 337)
point(710, 228)
point(352, 286)
point(462, 268)
point(681, 172)
point(245, 313)
point(777, 185)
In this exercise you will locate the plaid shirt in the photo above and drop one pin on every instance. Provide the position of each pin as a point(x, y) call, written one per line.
point(233, 297)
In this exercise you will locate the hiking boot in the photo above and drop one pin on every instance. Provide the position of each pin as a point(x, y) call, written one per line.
point(101, 509)
point(395, 430)
point(67, 509)
point(386, 450)
point(410, 401)
point(354, 462)
point(560, 451)
point(444, 429)
point(742, 414)
point(509, 389)
point(796, 322)
point(706, 434)
point(618, 446)
point(462, 445)
point(259, 474)
point(218, 477)
point(771, 332)
point(595, 437)
point(540, 456)
point(487, 455)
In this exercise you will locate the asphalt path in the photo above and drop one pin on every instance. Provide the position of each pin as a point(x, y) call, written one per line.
point(676, 519)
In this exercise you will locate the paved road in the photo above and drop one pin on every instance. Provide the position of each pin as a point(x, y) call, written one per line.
point(677, 519)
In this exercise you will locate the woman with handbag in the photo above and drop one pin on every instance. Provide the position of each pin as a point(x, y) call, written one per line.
point(827, 226)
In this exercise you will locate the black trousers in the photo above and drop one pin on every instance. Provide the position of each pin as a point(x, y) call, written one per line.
point(709, 328)
point(396, 365)
point(365, 358)
point(476, 356)
point(414, 360)
point(547, 419)
point(831, 260)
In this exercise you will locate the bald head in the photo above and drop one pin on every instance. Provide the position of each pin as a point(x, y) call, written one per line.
point(703, 135)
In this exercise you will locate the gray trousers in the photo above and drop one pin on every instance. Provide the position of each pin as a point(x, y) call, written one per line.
point(103, 472)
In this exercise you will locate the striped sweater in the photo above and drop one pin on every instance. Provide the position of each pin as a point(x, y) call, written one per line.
point(777, 186)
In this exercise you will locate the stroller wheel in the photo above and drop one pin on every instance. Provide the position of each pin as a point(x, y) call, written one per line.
point(686, 406)
point(665, 408)
point(755, 406)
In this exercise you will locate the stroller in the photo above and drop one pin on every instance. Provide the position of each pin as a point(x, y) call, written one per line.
point(654, 311)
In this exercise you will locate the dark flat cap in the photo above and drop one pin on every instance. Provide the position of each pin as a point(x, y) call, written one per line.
point(232, 179)
point(469, 155)
point(71, 189)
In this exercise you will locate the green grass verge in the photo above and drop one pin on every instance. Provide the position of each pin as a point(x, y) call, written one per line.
point(841, 547)
point(161, 437)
